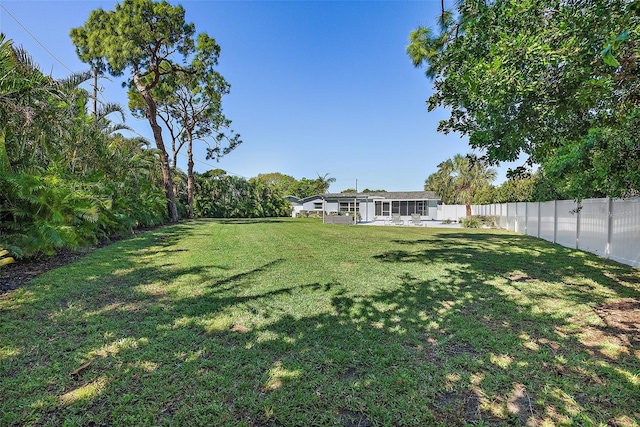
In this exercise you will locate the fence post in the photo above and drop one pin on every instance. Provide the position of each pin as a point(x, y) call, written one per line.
point(578, 228)
point(555, 220)
point(609, 228)
point(526, 217)
point(539, 219)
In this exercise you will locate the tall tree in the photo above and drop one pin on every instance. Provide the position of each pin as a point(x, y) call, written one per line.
point(323, 182)
point(190, 105)
point(150, 40)
point(531, 77)
point(460, 179)
point(281, 183)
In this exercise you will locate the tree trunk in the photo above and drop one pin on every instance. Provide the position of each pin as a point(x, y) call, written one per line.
point(190, 174)
point(468, 205)
point(152, 116)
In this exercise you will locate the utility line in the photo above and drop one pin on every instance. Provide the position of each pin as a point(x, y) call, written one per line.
point(35, 38)
point(99, 92)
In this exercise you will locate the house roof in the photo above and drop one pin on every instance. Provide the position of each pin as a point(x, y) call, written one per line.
point(390, 195)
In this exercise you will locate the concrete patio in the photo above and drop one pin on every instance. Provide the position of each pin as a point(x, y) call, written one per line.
point(432, 223)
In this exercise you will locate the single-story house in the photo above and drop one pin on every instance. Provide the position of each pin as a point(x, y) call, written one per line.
point(371, 206)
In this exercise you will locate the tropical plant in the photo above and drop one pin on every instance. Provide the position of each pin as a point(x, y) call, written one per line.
point(281, 183)
point(219, 195)
point(460, 178)
point(67, 178)
point(149, 39)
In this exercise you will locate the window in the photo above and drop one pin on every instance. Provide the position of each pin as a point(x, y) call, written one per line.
point(408, 207)
point(382, 208)
point(317, 206)
point(349, 207)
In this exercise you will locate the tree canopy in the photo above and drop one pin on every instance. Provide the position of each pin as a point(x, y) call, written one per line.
point(151, 40)
point(554, 81)
point(190, 105)
point(459, 179)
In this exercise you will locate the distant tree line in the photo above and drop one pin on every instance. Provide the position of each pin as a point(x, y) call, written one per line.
point(468, 179)
point(366, 190)
point(287, 185)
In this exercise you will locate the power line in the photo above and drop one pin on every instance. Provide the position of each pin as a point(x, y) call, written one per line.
point(99, 92)
point(35, 38)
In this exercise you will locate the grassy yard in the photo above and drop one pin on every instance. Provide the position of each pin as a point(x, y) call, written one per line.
point(292, 323)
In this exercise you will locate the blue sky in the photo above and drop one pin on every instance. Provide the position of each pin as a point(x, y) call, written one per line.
point(316, 87)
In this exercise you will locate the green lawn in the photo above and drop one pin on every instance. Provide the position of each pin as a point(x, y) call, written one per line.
point(294, 323)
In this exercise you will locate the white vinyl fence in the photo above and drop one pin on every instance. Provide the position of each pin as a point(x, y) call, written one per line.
point(451, 212)
point(606, 227)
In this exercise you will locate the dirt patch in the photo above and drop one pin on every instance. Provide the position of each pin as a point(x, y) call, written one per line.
point(458, 407)
point(621, 334)
point(622, 315)
point(353, 419)
point(14, 275)
point(521, 277)
point(519, 404)
point(459, 349)
point(351, 374)
point(20, 272)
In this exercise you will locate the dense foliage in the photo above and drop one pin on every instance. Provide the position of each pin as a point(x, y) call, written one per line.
point(287, 185)
point(554, 81)
point(67, 179)
point(218, 195)
point(460, 179)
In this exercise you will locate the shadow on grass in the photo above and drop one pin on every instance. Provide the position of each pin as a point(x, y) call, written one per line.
point(240, 221)
point(478, 344)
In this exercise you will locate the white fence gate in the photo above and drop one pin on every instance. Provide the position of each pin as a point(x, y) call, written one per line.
point(606, 227)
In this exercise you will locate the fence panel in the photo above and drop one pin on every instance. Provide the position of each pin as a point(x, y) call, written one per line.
point(600, 226)
point(547, 221)
point(625, 231)
point(594, 226)
point(503, 215)
point(532, 219)
point(521, 218)
point(451, 212)
point(511, 216)
point(567, 228)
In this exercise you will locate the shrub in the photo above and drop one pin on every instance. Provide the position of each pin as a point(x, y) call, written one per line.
point(488, 220)
point(471, 222)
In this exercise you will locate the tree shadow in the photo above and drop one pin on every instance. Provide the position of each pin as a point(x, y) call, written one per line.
point(472, 345)
point(241, 221)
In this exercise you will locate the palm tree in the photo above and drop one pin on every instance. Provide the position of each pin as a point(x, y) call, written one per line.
point(459, 178)
point(323, 183)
